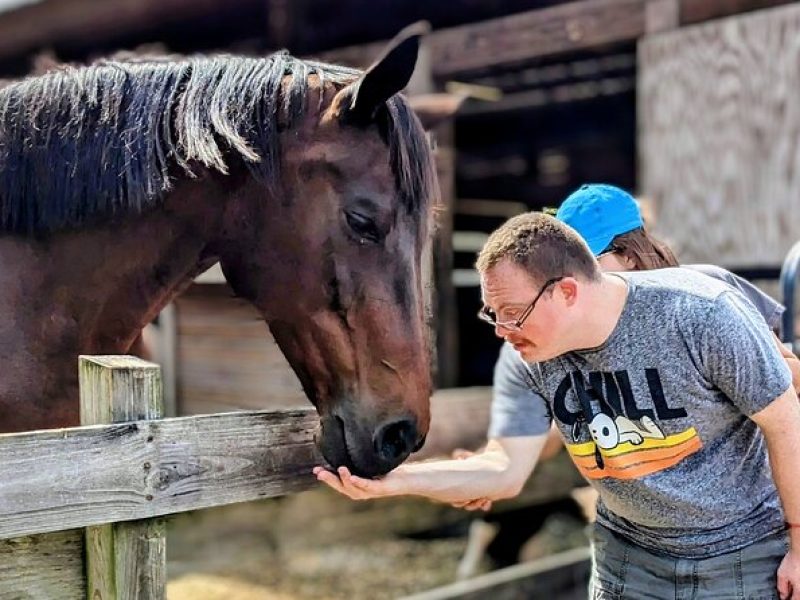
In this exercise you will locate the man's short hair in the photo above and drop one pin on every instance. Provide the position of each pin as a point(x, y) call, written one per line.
point(543, 246)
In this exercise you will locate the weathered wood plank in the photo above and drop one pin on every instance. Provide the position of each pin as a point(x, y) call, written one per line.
point(537, 33)
point(518, 37)
point(42, 567)
point(718, 126)
point(59, 479)
point(123, 560)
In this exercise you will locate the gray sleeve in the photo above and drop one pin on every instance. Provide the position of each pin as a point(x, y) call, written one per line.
point(739, 354)
point(770, 309)
point(517, 410)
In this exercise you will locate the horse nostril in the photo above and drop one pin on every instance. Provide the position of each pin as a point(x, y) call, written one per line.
point(395, 440)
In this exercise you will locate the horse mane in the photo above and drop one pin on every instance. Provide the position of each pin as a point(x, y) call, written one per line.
point(88, 144)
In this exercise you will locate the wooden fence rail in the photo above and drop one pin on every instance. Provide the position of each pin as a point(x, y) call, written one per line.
point(59, 479)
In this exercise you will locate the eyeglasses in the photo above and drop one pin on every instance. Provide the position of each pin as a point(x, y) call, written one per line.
point(487, 314)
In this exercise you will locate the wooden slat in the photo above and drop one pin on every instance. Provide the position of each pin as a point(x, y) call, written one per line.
point(60, 479)
point(123, 560)
point(718, 129)
point(74, 21)
point(41, 567)
point(519, 37)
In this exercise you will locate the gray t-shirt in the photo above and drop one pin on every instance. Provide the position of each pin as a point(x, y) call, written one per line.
point(657, 417)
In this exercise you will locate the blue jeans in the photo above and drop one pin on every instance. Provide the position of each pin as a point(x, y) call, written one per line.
point(621, 569)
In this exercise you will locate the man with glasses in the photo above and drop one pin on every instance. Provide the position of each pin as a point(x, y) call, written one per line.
point(667, 389)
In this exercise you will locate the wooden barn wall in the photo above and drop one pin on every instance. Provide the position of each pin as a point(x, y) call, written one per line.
point(226, 357)
point(719, 129)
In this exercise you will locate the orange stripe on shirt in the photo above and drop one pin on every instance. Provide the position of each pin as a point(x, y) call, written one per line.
point(638, 463)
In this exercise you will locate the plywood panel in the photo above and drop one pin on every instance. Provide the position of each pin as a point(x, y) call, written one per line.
point(226, 357)
point(719, 130)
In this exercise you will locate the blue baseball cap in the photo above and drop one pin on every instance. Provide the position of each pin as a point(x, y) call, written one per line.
point(599, 213)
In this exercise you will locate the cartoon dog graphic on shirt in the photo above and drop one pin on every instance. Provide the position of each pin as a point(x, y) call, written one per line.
point(609, 433)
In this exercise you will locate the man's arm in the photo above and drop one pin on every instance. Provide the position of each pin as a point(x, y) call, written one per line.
point(498, 472)
point(780, 423)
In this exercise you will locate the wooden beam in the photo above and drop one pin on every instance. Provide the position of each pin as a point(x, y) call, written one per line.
point(51, 23)
point(696, 11)
point(662, 15)
point(522, 36)
point(60, 479)
point(558, 94)
point(539, 33)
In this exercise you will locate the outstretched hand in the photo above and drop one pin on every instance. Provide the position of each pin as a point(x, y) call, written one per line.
point(393, 484)
point(358, 488)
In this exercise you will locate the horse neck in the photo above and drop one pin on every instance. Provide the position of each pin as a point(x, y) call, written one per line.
point(91, 292)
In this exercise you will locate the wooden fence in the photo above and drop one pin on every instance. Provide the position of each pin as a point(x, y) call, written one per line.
point(80, 507)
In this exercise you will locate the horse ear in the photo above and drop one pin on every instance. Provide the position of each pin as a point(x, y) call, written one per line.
point(387, 76)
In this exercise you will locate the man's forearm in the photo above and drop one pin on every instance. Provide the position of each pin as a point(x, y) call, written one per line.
point(486, 475)
point(498, 472)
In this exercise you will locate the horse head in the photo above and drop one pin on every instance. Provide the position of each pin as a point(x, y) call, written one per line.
point(332, 257)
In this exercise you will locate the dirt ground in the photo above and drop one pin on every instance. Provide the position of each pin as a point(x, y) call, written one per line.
point(320, 545)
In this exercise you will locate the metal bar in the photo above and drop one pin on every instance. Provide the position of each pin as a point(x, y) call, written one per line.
point(788, 281)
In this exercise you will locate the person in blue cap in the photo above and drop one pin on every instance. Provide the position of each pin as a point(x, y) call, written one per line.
point(602, 214)
point(667, 388)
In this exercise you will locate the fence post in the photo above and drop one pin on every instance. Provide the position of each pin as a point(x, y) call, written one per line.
point(123, 560)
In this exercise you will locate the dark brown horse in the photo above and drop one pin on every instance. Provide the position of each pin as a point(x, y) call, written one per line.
point(311, 184)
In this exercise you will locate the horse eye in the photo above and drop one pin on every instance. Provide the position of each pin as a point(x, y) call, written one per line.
point(364, 227)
